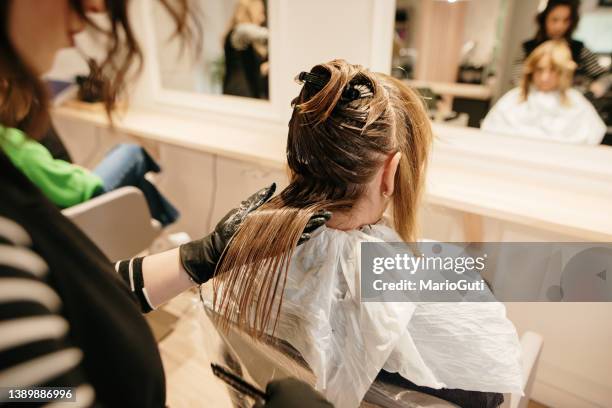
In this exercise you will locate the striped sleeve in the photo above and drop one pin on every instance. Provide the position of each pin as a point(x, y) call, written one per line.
point(590, 64)
point(130, 271)
point(34, 348)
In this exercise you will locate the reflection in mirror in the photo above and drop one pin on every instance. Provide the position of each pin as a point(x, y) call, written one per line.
point(467, 56)
point(545, 106)
point(446, 41)
point(558, 86)
point(233, 59)
point(450, 51)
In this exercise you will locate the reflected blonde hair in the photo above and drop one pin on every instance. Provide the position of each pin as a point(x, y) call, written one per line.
point(560, 58)
point(244, 12)
point(334, 148)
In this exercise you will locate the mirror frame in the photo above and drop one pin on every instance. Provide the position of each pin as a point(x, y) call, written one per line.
point(156, 95)
point(149, 93)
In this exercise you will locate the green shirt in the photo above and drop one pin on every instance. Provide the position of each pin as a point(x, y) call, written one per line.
point(65, 184)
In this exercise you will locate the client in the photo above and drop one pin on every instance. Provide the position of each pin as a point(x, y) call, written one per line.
point(358, 142)
point(66, 184)
point(545, 106)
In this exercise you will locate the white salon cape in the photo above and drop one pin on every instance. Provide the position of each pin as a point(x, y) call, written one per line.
point(543, 116)
point(346, 342)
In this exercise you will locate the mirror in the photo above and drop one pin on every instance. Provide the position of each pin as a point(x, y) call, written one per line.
point(434, 38)
point(439, 46)
point(233, 55)
point(468, 58)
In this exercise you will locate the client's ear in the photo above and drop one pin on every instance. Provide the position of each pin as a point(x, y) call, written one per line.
point(388, 177)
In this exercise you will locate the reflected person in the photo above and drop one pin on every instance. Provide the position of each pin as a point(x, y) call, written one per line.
point(246, 51)
point(545, 106)
point(558, 21)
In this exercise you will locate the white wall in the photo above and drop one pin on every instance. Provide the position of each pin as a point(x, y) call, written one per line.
point(319, 30)
point(481, 22)
point(520, 26)
point(595, 26)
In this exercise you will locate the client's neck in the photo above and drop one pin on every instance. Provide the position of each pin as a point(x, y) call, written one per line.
point(361, 214)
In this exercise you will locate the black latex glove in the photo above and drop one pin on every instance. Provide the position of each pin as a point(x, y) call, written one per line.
point(200, 257)
point(292, 393)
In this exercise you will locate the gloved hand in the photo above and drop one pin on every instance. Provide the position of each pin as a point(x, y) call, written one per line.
point(199, 258)
point(292, 393)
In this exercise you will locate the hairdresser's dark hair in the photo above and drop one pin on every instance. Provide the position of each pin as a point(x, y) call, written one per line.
point(23, 97)
point(541, 18)
point(335, 147)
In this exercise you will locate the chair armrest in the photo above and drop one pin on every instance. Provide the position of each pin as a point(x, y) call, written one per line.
point(531, 346)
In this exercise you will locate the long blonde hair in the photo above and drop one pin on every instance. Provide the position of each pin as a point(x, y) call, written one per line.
point(560, 58)
point(334, 148)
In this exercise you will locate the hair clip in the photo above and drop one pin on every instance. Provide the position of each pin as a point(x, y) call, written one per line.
point(311, 78)
point(350, 93)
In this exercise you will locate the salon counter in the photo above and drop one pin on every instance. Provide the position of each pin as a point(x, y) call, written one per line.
point(454, 89)
point(229, 138)
point(561, 189)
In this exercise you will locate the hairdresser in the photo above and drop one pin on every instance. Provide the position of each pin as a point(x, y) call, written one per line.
point(67, 317)
point(557, 21)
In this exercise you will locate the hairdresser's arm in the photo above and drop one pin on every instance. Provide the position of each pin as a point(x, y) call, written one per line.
point(157, 278)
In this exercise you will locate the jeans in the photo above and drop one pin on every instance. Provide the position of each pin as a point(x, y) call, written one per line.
point(126, 165)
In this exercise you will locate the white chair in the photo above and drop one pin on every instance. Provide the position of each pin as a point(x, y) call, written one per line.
point(118, 222)
point(531, 346)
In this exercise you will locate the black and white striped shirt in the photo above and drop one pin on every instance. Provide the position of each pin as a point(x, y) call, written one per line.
point(130, 271)
point(67, 319)
point(34, 345)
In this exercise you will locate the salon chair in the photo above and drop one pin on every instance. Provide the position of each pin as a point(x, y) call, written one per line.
point(531, 347)
point(272, 358)
point(118, 222)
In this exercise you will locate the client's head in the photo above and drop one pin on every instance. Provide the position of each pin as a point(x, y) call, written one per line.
point(357, 142)
point(549, 68)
